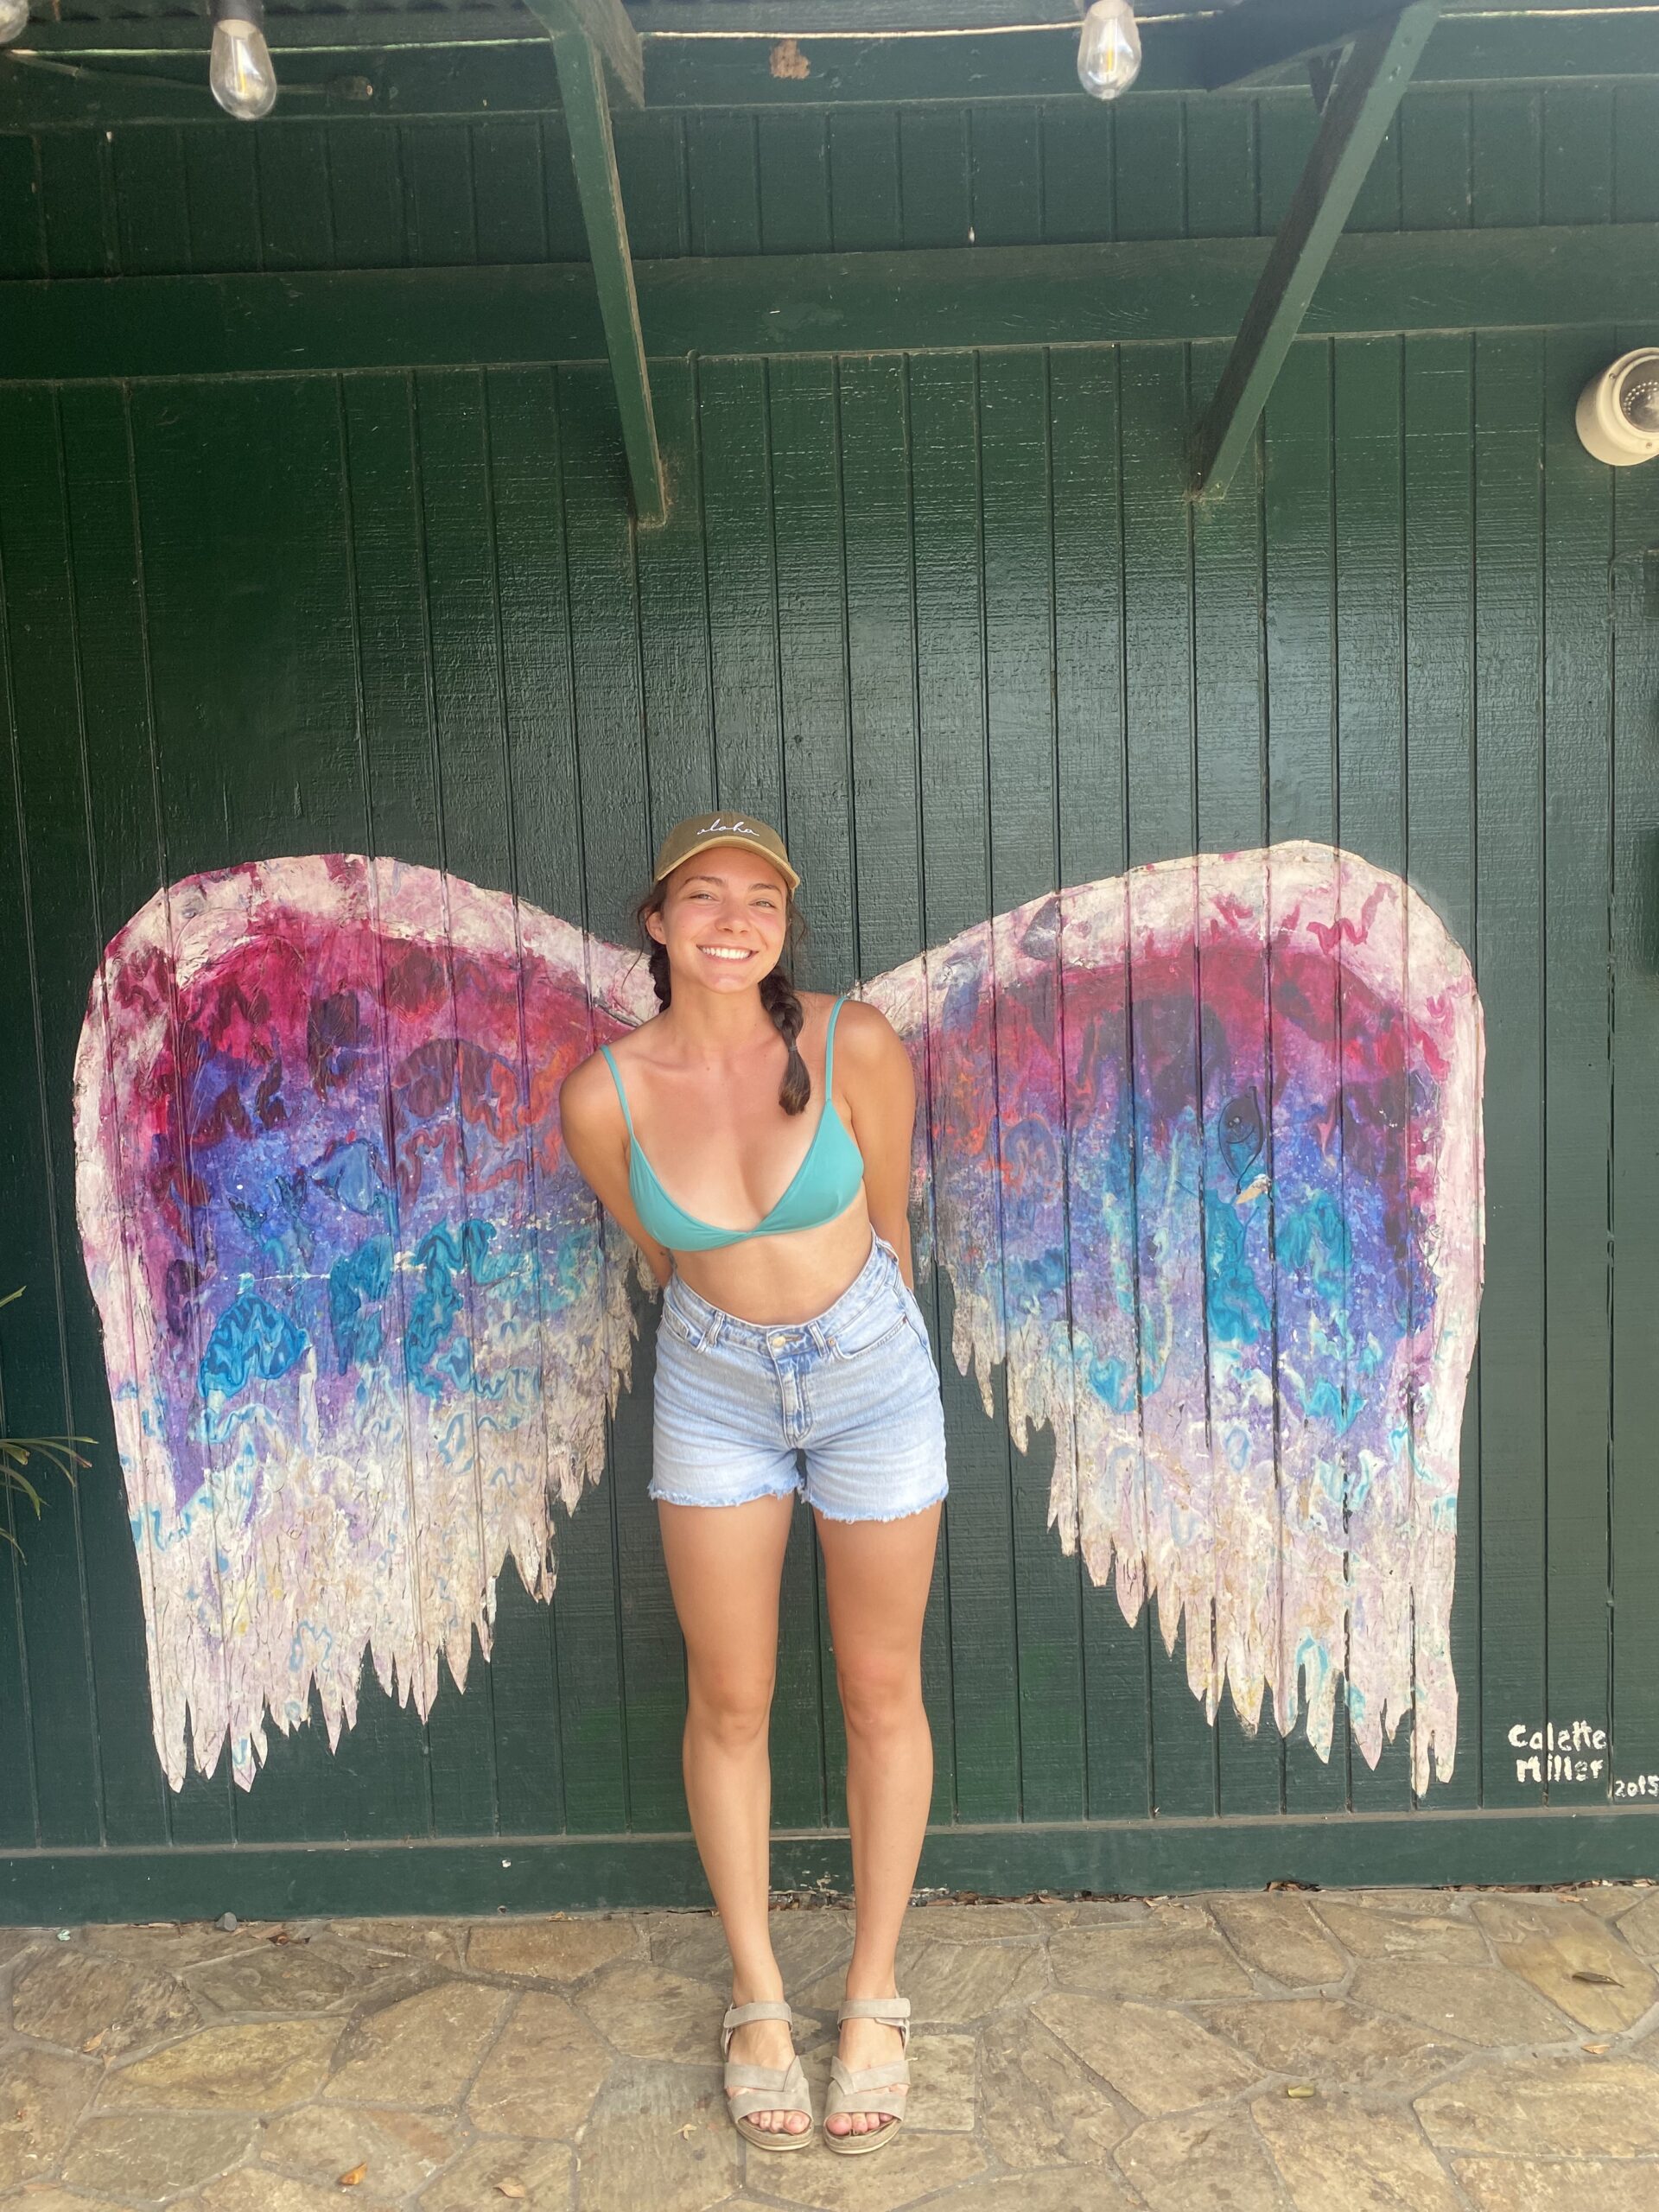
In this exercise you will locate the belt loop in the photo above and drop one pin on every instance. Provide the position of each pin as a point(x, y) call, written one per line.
point(711, 1336)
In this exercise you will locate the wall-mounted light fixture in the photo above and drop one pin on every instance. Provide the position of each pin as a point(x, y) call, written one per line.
point(240, 73)
point(1108, 51)
point(1619, 410)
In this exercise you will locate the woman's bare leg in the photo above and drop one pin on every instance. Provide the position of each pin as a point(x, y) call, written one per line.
point(724, 1566)
point(876, 1575)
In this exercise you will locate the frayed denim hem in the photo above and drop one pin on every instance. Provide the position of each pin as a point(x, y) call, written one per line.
point(743, 1498)
point(905, 1512)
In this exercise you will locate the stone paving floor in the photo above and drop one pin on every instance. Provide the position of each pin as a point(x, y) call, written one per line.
point(1284, 2051)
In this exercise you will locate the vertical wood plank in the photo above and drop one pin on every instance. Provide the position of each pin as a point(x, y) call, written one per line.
point(546, 859)
point(1509, 939)
point(1371, 815)
point(1435, 155)
point(366, 197)
point(221, 168)
point(865, 212)
point(296, 209)
point(510, 211)
point(956, 893)
point(1021, 679)
point(1079, 171)
point(1439, 437)
point(77, 209)
point(151, 199)
point(1576, 892)
point(1162, 795)
point(792, 150)
point(1092, 786)
point(1005, 144)
point(1633, 1527)
point(934, 188)
point(43, 1006)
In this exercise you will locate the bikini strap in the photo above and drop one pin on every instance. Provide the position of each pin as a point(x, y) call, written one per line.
point(829, 1049)
point(620, 1093)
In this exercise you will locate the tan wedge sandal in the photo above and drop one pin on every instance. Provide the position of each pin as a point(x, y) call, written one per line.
point(870, 2089)
point(765, 2088)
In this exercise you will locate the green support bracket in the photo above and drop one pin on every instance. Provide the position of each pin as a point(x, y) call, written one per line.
point(1353, 122)
point(1274, 38)
point(591, 37)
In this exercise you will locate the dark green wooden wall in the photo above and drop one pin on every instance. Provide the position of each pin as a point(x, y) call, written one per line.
point(950, 621)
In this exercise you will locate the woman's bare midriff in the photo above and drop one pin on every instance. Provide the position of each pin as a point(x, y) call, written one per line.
point(792, 1277)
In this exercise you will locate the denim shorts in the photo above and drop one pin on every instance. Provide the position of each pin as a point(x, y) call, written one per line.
point(854, 1392)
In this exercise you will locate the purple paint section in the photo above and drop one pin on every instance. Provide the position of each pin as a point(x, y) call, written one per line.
point(1238, 1272)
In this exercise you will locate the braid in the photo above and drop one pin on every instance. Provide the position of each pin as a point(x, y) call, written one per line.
point(778, 995)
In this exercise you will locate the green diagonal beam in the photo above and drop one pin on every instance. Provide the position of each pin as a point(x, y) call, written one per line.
point(590, 38)
point(1361, 105)
point(606, 25)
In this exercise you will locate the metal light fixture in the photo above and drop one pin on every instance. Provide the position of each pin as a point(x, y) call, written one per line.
point(243, 80)
point(1109, 53)
point(1618, 411)
point(14, 20)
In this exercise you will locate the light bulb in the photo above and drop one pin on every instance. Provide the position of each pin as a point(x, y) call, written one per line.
point(14, 20)
point(243, 82)
point(1109, 53)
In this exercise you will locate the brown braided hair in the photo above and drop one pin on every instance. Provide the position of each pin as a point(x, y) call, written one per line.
point(777, 989)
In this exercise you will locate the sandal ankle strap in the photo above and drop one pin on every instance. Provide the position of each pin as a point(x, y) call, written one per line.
point(890, 2012)
point(763, 2008)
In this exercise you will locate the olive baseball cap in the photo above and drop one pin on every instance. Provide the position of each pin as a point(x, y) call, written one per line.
point(699, 831)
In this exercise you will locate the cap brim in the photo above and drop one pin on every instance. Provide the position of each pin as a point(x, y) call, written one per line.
point(739, 844)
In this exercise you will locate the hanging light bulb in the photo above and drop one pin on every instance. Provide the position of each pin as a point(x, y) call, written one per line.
point(243, 80)
point(1109, 53)
point(14, 20)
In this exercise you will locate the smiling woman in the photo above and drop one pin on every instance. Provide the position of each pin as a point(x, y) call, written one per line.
point(794, 1332)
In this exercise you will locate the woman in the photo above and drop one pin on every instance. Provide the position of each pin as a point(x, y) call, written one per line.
point(779, 1235)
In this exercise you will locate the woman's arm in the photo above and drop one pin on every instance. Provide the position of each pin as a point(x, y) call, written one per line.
point(875, 1072)
point(596, 1138)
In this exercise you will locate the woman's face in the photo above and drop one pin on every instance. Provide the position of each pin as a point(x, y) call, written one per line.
point(723, 919)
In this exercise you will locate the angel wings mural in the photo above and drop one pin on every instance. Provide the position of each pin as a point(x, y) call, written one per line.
point(1198, 1151)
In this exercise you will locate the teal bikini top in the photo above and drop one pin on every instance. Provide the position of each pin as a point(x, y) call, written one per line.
point(824, 1185)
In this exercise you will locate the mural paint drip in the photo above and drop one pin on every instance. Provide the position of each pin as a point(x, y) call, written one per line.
point(1198, 1150)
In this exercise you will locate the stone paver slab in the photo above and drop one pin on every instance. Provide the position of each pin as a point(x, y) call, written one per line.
point(402, 2149)
point(1639, 1927)
point(321, 1975)
point(650, 2012)
point(1321, 2038)
point(545, 2172)
point(1280, 1937)
point(1565, 2185)
point(807, 1946)
point(1061, 2188)
point(166, 1945)
point(959, 1983)
point(1480, 2005)
point(1334, 2155)
point(543, 2073)
point(549, 1950)
point(86, 1999)
point(1089, 1912)
point(1202, 2162)
point(1543, 2107)
point(153, 2154)
point(914, 2164)
point(1609, 1900)
point(1161, 2062)
point(1040, 2105)
point(256, 2188)
point(42, 2096)
point(421, 2050)
point(972, 1923)
point(256, 2067)
point(1419, 1933)
point(661, 2138)
point(46, 2197)
point(1155, 1962)
point(1555, 1945)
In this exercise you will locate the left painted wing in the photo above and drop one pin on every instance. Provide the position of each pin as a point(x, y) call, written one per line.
point(363, 1319)
point(1199, 1150)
